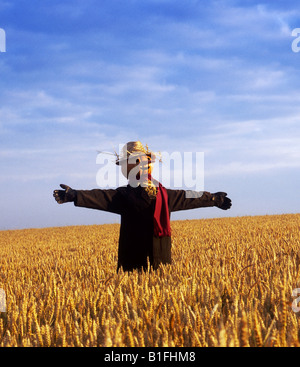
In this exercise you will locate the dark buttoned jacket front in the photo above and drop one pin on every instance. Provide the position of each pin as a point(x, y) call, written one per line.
point(137, 242)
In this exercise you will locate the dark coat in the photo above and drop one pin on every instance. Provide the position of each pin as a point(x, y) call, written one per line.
point(136, 241)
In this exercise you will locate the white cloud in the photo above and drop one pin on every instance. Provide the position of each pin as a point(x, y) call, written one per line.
point(265, 78)
point(237, 168)
point(254, 146)
point(257, 21)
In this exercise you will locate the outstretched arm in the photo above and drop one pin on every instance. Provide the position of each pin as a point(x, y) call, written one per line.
point(107, 200)
point(184, 200)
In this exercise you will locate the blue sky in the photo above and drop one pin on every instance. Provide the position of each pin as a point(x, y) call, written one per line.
point(218, 77)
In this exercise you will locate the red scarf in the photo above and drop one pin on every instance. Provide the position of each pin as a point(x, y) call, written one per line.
point(161, 218)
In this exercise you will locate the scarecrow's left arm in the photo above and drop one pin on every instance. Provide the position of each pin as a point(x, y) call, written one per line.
point(184, 200)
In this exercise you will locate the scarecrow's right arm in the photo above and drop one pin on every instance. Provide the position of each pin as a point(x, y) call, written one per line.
point(107, 200)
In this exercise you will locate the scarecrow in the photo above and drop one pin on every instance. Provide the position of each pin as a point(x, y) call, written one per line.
point(145, 206)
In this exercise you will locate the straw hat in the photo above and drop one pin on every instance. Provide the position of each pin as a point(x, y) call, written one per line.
point(134, 148)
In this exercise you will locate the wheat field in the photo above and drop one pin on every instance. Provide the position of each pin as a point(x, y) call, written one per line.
point(230, 285)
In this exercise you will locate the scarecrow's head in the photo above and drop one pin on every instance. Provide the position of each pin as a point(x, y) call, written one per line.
point(136, 161)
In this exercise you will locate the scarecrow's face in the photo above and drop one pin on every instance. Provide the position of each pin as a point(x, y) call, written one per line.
point(142, 166)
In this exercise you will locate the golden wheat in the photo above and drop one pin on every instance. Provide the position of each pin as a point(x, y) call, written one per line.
point(230, 284)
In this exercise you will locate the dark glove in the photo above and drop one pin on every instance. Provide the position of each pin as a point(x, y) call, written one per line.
point(64, 196)
point(221, 200)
